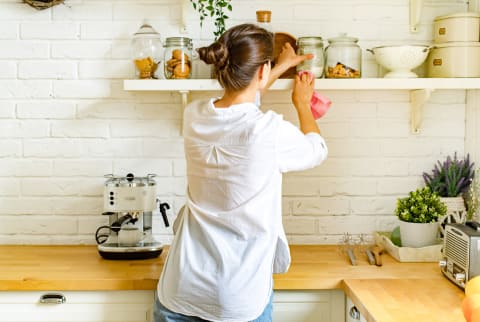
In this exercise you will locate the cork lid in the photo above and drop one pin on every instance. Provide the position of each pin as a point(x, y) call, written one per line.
point(263, 15)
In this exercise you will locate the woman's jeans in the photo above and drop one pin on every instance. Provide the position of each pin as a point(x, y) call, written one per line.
point(162, 314)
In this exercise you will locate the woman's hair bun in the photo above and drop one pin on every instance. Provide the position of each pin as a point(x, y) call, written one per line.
point(216, 54)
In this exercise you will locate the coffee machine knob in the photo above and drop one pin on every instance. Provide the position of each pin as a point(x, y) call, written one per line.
point(442, 263)
point(130, 177)
point(460, 277)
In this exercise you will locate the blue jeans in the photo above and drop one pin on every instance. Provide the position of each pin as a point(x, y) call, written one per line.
point(162, 314)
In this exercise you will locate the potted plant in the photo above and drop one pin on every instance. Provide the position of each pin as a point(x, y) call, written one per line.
point(216, 9)
point(419, 213)
point(450, 179)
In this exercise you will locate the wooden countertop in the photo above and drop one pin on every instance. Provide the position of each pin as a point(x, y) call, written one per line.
point(380, 293)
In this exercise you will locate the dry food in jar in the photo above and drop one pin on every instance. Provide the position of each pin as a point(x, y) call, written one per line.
point(146, 67)
point(178, 62)
point(342, 71)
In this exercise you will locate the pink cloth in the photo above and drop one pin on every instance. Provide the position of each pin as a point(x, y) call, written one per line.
point(319, 104)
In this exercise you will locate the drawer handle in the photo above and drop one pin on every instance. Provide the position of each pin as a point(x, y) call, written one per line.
point(52, 298)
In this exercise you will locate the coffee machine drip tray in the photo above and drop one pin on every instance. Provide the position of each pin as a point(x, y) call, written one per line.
point(120, 252)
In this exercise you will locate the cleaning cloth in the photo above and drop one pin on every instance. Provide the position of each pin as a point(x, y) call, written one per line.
point(319, 104)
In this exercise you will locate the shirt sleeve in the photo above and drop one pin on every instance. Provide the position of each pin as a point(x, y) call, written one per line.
point(297, 151)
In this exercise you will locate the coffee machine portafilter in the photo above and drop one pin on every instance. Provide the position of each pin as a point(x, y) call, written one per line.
point(130, 203)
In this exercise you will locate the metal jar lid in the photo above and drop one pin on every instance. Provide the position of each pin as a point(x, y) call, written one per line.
point(130, 180)
point(310, 41)
point(342, 38)
point(178, 42)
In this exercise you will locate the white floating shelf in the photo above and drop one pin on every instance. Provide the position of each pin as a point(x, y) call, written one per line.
point(321, 84)
point(420, 88)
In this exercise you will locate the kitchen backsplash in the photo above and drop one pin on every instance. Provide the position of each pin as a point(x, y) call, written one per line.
point(65, 120)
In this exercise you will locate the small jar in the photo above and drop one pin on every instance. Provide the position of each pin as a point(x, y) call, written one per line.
point(311, 45)
point(146, 51)
point(263, 19)
point(178, 58)
point(343, 57)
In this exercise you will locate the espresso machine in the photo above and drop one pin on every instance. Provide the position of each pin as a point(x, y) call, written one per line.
point(130, 202)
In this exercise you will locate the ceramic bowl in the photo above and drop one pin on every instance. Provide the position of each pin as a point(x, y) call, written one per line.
point(400, 59)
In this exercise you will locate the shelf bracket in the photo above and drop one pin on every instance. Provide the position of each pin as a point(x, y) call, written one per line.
point(418, 97)
point(415, 14)
point(184, 96)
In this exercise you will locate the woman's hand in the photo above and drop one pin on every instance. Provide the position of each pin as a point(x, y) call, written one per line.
point(303, 89)
point(288, 58)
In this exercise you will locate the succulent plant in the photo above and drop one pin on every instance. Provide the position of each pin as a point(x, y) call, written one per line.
point(420, 206)
point(451, 177)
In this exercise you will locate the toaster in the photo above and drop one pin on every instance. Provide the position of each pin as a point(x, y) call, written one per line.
point(461, 252)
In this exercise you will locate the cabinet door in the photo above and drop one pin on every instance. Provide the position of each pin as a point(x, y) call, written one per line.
point(309, 306)
point(98, 306)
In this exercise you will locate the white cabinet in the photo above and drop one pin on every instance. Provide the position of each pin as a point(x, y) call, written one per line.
point(79, 306)
point(309, 306)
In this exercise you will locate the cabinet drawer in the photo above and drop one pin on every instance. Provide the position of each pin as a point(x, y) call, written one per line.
point(97, 306)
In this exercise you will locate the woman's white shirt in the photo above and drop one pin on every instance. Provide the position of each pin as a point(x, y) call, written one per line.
point(231, 239)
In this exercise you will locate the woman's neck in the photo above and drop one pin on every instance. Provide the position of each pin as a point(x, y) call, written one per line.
point(233, 98)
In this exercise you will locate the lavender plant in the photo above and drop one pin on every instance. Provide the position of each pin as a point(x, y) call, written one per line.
point(451, 177)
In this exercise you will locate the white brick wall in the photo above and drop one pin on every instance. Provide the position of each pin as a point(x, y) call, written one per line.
point(65, 120)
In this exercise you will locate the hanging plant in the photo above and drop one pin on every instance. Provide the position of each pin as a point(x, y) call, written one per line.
point(42, 4)
point(215, 9)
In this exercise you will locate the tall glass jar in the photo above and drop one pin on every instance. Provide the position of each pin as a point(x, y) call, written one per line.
point(146, 51)
point(311, 45)
point(178, 58)
point(343, 57)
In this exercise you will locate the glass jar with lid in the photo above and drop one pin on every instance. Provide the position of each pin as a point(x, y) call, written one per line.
point(311, 45)
point(343, 57)
point(178, 58)
point(146, 51)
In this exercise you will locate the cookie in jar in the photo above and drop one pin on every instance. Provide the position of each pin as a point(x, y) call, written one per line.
point(178, 58)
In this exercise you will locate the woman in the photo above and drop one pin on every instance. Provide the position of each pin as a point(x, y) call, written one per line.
point(230, 237)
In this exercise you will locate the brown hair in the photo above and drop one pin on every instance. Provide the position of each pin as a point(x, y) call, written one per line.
point(238, 54)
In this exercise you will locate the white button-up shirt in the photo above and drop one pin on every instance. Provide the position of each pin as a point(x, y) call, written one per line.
point(231, 239)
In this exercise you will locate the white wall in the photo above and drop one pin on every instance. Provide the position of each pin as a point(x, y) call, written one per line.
point(65, 120)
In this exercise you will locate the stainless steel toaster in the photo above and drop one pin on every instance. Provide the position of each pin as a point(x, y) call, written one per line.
point(461, 252)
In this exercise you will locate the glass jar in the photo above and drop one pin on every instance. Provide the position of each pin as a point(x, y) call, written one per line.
point(178, 58)
point(343, 57)
point(311, 45)
point(263, 19)
point(146, 51)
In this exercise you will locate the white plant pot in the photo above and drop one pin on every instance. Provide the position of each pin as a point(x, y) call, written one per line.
point(417, 234)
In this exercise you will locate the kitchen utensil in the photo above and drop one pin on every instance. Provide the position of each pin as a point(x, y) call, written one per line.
point(370, 257)
point(348, 248)
point(462, 26)
point(377, 252)
point(279, 39)
point(400, 59)
point(129, 202)
point(319, 104)
point(454, 59)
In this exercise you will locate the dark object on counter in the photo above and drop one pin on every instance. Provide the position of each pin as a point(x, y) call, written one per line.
point(42, 4)
point(377, 252)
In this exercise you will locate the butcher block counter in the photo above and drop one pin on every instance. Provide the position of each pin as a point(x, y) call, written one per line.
point(391, 292)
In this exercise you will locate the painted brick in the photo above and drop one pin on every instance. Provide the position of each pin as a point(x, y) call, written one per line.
point(25, 206)
point(51, 148)
point(12, 49)
point(80, 129)
point(300, 225)
point(142, 167)
point(20, 11)
point(108, 30)
point(7, 109)
point(23, 168)
point(111, 148)
point(8, 69)
point(23, 129)
point(143, 128)
point(11, 148)
point(84, 11)
point(9, 187)
point(77, 205)
point(25, 89)
point(81, 167)
point(179, 167)
point(82, 49)
point(50, 30)
point(106, 69)
point(62, 187)
point(46, 110)
point(320, 206)
point(307, 186)
point(395, 186)
point(35, 225)
point(47, 69)
point(82, 89)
